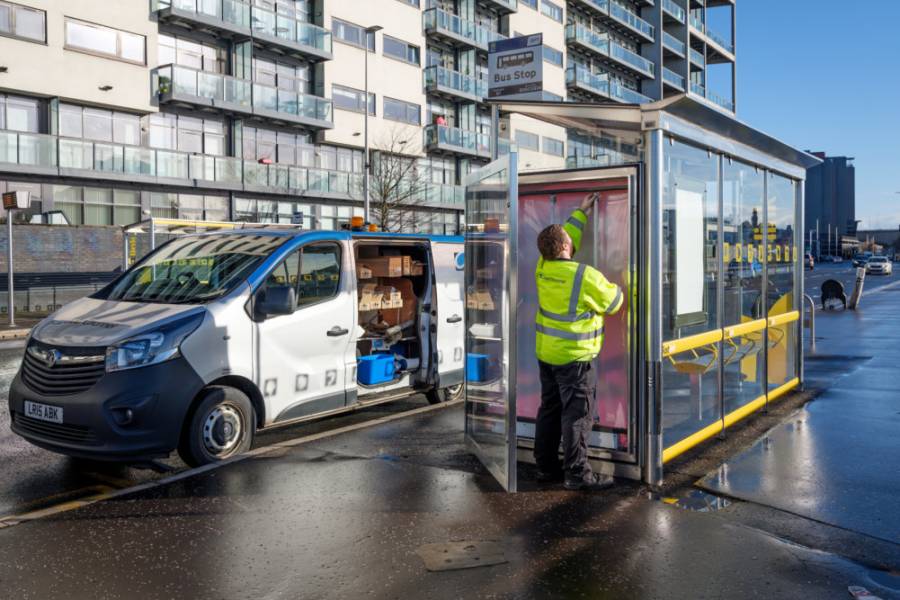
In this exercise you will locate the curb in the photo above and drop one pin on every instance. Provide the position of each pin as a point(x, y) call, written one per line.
point(14, 334)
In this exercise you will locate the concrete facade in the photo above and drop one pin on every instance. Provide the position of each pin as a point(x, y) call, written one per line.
point(244, 110)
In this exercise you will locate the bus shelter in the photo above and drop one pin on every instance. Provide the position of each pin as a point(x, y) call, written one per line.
point(702, 229)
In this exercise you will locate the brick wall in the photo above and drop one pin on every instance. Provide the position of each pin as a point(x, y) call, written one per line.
point(62, 249)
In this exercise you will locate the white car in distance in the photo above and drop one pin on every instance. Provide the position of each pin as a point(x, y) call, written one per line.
point(879, 265)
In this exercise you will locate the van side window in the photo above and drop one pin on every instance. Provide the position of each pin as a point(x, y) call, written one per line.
point(320, 273)
point(286, 271)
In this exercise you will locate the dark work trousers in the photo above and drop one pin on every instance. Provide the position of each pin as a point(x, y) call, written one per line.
point(567, 408)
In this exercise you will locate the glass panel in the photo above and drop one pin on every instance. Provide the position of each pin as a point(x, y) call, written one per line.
point(690, 296)
point(743, 274)
point(490, 408)
point(782, 249)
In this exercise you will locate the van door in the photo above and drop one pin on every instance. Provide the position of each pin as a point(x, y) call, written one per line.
point(305, 358)
point(449, 274)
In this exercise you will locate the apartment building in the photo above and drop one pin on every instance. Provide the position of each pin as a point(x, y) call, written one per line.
point(256, 110)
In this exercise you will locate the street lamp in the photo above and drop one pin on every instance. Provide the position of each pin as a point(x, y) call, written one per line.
point(369, 31)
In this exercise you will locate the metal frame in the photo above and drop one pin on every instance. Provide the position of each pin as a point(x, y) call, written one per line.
point(653, 444)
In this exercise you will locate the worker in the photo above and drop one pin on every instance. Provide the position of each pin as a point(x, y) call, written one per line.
point(573, 300)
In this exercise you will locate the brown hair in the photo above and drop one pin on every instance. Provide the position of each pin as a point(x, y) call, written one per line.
point(552, 241)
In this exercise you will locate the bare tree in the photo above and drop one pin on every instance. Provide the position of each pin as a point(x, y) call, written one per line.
point(397, 184)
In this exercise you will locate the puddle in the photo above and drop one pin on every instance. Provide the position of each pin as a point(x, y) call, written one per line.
point(886, 579)
point(695, 500)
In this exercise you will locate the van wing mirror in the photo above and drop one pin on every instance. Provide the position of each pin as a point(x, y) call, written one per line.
point(276, 300)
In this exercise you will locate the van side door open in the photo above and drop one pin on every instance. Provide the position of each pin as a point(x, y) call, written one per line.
point(448, 269)
point(305, 354)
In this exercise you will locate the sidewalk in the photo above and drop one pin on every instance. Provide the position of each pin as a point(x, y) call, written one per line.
point(20, 331)
point(350, 516)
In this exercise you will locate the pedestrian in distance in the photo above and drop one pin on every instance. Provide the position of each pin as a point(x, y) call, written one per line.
point(573, 299)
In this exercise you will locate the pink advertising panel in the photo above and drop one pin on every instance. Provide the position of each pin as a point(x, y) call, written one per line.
point(606, 246)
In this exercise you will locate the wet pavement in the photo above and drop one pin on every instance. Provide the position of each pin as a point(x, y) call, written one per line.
point(837, 460)
point(347, 517)
point(844, 272)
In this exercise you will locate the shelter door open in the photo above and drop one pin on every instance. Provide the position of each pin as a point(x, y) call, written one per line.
point(490, 256)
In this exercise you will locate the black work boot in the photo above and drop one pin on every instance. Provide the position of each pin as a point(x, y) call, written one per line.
point(591, 483)
point(547, 477)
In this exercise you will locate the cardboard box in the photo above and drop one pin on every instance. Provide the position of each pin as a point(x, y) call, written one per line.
point(479, 299)
point(363, 272)
point(369, 297)
point(417, 268)
point(390, 297)
point(385, 266)
point(406, 264)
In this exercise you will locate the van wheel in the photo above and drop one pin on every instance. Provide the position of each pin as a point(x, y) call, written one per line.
point(221, 426)
point(447, 394)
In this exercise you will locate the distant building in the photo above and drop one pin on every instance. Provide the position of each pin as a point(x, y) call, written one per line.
point(831, 197)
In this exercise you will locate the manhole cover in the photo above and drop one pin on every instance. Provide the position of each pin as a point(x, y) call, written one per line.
point(450, 556)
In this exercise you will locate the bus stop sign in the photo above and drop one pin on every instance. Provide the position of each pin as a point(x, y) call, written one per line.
point(516, 68)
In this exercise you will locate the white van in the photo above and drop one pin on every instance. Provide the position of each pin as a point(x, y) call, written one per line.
point(212, 337)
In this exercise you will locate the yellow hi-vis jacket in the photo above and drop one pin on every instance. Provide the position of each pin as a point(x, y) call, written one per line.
point(572, 298)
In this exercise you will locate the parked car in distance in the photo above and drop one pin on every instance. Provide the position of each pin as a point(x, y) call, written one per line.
point(860, 260)
point(808, 261)
point(837, 259)
point(879, 265)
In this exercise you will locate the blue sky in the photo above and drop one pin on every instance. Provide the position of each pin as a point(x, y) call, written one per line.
point(825, 75)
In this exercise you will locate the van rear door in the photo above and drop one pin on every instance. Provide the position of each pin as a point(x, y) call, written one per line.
point(449, 274)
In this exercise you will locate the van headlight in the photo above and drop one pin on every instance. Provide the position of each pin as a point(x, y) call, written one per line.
point(153, 347)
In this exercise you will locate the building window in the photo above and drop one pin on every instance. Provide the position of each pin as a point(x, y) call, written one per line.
point(354, 35)
point(19, 114)
point(529, 141)
point(554, 147)
point(99, 125)
point(294, 78)
point(187, 53)
point(23, 22)
point(105, 41)
point(552, 10)
point(351, 99)
point(553, 56)
point(405, 112)
point(529, 3)
point(188, 134)
point(400, 50)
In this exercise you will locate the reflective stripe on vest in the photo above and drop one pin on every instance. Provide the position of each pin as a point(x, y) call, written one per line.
point(572, 316)
point(575, 223)
point(615, 302)
point(569, 335)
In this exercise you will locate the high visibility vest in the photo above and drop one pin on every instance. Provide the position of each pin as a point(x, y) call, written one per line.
point(573, 299)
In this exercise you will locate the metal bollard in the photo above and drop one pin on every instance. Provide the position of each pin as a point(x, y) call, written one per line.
point(858, 290)
point(812, 321)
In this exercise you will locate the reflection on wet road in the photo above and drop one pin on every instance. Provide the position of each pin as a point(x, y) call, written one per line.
point(846, 274)
point(35, 479)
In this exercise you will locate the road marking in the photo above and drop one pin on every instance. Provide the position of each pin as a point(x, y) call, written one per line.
point(105, 492)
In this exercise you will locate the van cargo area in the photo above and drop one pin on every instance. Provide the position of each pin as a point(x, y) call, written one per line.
point(394, 286)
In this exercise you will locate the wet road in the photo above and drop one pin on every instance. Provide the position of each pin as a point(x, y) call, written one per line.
point(35, 479)
point(844, 272)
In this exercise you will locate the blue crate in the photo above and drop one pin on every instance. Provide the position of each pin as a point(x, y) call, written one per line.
point(375, 368)
point(477, 367)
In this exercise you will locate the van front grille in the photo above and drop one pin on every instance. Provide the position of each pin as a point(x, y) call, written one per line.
point(73, 371)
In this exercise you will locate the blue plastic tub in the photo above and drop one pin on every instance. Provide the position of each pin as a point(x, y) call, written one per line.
point(477, 367)
point(375, 369)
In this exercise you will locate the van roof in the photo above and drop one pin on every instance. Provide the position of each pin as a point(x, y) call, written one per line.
point(341, 235)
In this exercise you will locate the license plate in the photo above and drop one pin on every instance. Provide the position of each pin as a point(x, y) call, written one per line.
point(43, 412)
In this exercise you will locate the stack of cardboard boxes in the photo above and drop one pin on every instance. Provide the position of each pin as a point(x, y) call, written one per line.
point(374, 296)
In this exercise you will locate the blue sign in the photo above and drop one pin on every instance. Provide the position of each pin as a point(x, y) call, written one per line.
point(460, 258)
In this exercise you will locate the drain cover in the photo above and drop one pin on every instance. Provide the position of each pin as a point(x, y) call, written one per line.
point(451, 556)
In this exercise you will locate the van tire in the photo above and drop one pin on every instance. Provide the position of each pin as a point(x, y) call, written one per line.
point(220, 426)
point(447, 394)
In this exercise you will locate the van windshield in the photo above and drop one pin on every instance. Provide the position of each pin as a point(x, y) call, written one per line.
point(194, 270)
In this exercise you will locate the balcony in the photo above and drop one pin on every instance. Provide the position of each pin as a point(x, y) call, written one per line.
point(601, 43)
point(631, 60)
point(229, 17)
point(697, 58)
point(720, 41)
point(502, 6)
point(182, 85)
point(631, 21)
point(698, 88)
point(277, 31)
point(444, 82)
point(627, 95)
point(673, 79)
point(673, 44)
point(453, 140)
point(441, 195)
point(590, 40)
point(698, 24)
point(598, 6)
point(31, 153)
point(580, 78)
point(455, 30)
point(670, 9)
point(721, 101)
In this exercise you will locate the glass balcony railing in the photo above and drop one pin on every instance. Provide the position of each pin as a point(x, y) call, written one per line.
point(273, 25)
point(675, 11)
point(628, 18)
point(673, 43)
point(632, 59)
point(698, 88)
point(507, 5)
point(121, 159)
point(598, 5)
point(232, 12)
point(673, 78)
point(290, 103)
point(586, 162)
point(579, 76)
point(460, 140)
point(721, 41)
point(698, 24)
point(626, 94)
point(443, 195)
point(698, 58)
point(721, 101)
point(183, 81)
point(27, 149)
point(580, 34)
point(437, 77)
point(435, 19)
